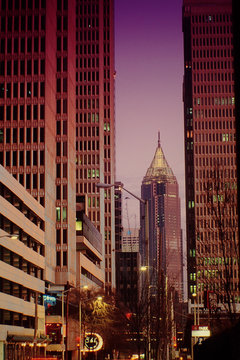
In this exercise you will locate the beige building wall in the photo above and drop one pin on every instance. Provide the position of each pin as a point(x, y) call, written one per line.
point(19, 284)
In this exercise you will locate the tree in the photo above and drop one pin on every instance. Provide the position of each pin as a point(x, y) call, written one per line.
point(217, 239)
point(99, 314)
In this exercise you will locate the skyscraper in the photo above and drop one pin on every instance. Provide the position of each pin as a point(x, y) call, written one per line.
point(160, 190)
point(95, 125)
point(57, 118)
point(210, 152)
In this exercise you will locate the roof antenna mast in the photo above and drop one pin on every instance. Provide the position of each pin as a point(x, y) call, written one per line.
point(158, 138)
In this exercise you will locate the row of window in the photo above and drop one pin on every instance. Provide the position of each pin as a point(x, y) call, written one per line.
point(213, 89)
point(87, 22)
point(216, 53)
point(21, 206)
point(87, 159)
point(214, 100)
point(22, 45)
point(89, 174)
point(25, 158)
point(212, 137)
point(211, 30)
point(8, 317)
point(214, 18)
point(22, 135)
point(25, 4)
point(90, 49)
point(206, 161)
point(212, 65)
point(215, 149)
point(87, 117)
point(17, 261)
point(91, 90)
point(22, 112)
point(87, 76)
point(88, 35)
point(87, 62)
point(214, 125)
point(89, 131)
point(22, 90)
point(204, 224)
point(91, 145)
point(22, 67)
point(212, 41)
point(89, 8)
point(22, 23)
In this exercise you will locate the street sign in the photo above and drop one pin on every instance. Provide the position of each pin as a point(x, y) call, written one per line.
point(93, 342)
point(200, 331)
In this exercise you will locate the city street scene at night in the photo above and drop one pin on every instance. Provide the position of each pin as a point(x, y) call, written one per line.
point(119, 178)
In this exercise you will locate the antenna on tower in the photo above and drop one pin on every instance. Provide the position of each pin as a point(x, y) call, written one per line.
point(158, 138)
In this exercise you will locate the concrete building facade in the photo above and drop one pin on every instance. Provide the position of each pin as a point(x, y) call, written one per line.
point(22, 267)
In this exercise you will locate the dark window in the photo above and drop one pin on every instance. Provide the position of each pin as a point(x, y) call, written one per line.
point(42, 66)
point(42, 44)
point(15, 131)
point(29, 23)
point(35, 158)
point(35, 135)
point(41, 134)
point(22, 67)
point(35, 64)
point(29, 45)
point(29, 67)
point(35, 112)
point(9, 71)
point(21, 157)
point(42, 89)
point(15, 67)
point(15, 90)
point(28, 157)
point(35, 44)
point(28, 112)
point(36, 19)
point(35, 89)
point(28, 135)
point(15, 112)
point(64, 258)
point(2, 67)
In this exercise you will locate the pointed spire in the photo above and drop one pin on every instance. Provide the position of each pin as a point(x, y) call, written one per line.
point(159, 169)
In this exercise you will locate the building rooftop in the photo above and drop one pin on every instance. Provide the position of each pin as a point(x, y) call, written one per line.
point(159, 169)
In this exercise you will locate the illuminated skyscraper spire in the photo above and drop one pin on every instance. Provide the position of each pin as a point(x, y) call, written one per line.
point(159, 168)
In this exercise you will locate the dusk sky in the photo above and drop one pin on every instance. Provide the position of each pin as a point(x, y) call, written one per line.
point(149, 67)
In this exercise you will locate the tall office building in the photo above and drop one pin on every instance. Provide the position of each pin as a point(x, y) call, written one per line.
point(210, 151)
point(160, 190)
point(57, 118)
point(95, 125)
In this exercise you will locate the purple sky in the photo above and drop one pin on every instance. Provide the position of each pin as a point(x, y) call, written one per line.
point(149, 66)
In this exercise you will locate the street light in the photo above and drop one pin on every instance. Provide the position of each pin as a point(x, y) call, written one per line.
point(146, 212)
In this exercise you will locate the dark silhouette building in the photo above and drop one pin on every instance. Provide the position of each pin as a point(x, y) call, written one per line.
point(210, 154)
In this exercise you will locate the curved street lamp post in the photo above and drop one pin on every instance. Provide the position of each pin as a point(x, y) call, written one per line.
point(146, 212)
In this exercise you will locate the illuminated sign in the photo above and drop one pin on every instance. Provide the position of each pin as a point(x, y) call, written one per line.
point(200, 331)
point(92, 342)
